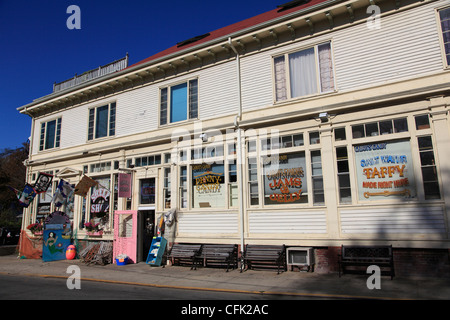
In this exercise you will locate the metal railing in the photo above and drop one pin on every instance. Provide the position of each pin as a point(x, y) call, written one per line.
point(92, 74)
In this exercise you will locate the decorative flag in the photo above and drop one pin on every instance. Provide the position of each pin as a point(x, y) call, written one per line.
point(62, 193)
point(124, 185)
point(43, 181)
point(27, 195)
point(84, 185)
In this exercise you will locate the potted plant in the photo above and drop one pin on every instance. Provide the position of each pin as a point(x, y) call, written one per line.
point(36, 229)
point(92, 229)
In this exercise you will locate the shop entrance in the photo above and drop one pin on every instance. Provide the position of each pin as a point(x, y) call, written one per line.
point(146, 232)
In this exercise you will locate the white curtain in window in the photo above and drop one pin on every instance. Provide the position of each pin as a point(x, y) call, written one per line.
point(326, 68)
point(280, 78)
point(302, 68)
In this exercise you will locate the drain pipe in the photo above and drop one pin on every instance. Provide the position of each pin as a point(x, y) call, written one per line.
point(239, 153)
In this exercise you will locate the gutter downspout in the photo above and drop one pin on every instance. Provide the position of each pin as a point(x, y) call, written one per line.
point(239, 154)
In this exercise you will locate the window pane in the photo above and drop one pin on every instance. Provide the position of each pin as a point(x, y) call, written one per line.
point(280, 78)
point(112, 119)
point(425, 143)
point(163, 107)
point(401, 125)
point(372, 129)
point(427, 158)
point(302, 68)
point(298, 140)
point(91, 124)
point(326, 68)
point(422, 122)
point(339, 134)
point(193, 99)
point(314, 137)
point(178, 103)
point(147, 191)
point(50, 135)
point(386, 127)
point(101, 124)
point(358, 131)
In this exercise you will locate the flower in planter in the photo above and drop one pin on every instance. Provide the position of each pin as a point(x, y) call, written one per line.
point(35, 227)
point(91, 227)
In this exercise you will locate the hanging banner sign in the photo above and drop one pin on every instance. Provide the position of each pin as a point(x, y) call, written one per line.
point(124, 185)
point(385, 170)
point(43, 181)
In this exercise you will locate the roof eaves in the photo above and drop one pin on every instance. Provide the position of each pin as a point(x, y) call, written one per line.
point(195, 46)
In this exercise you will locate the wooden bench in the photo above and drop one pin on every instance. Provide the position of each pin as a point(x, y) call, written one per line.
point(364, 256)
point(256, 257)
point(184, 254)
point(219, 255)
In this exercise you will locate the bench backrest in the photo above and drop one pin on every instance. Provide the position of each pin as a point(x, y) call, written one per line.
point(367, 251)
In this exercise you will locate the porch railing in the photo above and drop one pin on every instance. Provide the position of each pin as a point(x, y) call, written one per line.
point(92, 74)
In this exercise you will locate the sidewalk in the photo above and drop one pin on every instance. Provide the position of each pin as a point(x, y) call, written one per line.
point(304, 284)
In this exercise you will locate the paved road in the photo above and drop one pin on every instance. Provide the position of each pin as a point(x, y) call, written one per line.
point(39, 288)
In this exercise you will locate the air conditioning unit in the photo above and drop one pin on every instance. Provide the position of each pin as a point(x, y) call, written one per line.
point(300, 257)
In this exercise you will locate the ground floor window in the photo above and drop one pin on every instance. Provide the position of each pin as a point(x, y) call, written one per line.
point(100, 199)
point(208, 186)
point(284, 178)
point(385, 170)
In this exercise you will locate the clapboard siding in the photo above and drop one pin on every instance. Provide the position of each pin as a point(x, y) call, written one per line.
point(407, 45)
point(137, 111)
point(211, 223)
point(218, 91)
point(393, 220)
point(257, 86)
point(288, 222)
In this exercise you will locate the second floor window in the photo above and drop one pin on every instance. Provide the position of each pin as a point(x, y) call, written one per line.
point(179, 102)
point(50, 134)
point(444, 16)
point(102, 121)
point(304, 72)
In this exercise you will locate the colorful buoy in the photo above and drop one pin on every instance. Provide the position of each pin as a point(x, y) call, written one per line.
point(71, 252)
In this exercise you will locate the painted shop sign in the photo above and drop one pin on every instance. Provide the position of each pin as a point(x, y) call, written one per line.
point(385, 170)
point(100, 200)
point(284, 178)
point(208, 185)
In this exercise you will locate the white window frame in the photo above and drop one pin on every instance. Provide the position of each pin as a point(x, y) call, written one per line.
point(288, 76)
point(168, 102)
point(43, 135)
point(94, 126)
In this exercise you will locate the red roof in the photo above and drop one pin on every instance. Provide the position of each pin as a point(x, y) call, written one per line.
point(242, 25)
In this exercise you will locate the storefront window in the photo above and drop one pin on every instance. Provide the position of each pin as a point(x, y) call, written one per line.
point(428, 166)
point(147, 191)
point(284, 178)
point(233, 187)
point(183, 187)
point(385, 170)
point(167, 189)
point(317, 178)
point(100, 202)
point(345, 194)
point(208, 186)
point(253, 182)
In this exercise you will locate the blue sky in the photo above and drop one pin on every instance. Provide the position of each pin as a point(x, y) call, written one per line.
point(37, 49)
